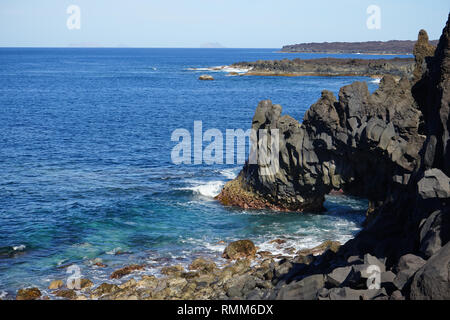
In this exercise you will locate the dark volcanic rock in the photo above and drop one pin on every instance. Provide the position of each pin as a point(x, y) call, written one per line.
point(330, 67)
point(407, 266)
point(432, 281)
point(351, 294)
point(422, 51)
point(338, 146)
point(391, 147)
point(305, 289)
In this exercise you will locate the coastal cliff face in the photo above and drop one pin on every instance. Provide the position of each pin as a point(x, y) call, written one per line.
point(364, 144)
point(391, 147)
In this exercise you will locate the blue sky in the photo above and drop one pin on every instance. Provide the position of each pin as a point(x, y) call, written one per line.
point(232, 23)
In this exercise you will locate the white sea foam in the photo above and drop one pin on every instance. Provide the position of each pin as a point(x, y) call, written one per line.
point(226, 69)
point(208, 189)
point(377, 80)
point(114, 251)
point(3, 294)
point(19, 247)
point(230, 173)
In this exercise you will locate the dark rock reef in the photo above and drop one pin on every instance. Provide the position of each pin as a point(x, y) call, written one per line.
point(392, 147)
point(329, 67)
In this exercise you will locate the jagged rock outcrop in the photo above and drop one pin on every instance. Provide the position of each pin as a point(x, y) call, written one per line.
point(392, 147)
point(363, 144)
point(422, 50)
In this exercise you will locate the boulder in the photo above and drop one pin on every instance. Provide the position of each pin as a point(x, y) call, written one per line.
point(432, 280)
point(351, 294)
point(104, 289)
point(172, 270)
point(434, 184)
point(56, 284)
point(338, 276)
point(125, 271)
point(407, 266)
point(240, 249)
point(86, 284)
point(28, 294)
point(435, 232)
point(201, 264)
point(305, 289)
point(66, 294)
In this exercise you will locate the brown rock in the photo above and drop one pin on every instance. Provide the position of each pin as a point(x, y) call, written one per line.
point(103, 289)
point(240, 249)
point(100, 265)
point(205, 77)
point(172, 270)
point(86, 284)
point(56, 284)
point(422, 50)
point(66, 293)
point(28, 294)
point(125, 271)
point(201, 264)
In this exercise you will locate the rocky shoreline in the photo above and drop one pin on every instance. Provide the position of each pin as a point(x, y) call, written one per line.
point(248, 274)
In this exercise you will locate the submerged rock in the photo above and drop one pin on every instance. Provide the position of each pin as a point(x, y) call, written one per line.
point(205, 77)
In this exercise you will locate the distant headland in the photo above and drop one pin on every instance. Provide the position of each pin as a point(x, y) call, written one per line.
point(368, 47)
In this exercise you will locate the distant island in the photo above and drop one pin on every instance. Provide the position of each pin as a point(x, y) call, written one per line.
point(368, 47)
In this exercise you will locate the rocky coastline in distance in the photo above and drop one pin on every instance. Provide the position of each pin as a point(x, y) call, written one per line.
point(393, 47)
point(334, 67)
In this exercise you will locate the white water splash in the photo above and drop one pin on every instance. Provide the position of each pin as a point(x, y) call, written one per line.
point(208, 189)
point(230, 173)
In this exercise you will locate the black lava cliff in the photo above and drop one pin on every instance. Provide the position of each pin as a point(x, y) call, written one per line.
point(392, 147)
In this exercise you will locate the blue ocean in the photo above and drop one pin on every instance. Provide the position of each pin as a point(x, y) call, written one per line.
point(86, 175)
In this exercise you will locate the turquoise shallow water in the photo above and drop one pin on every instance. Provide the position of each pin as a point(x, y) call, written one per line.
point(85, 167)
